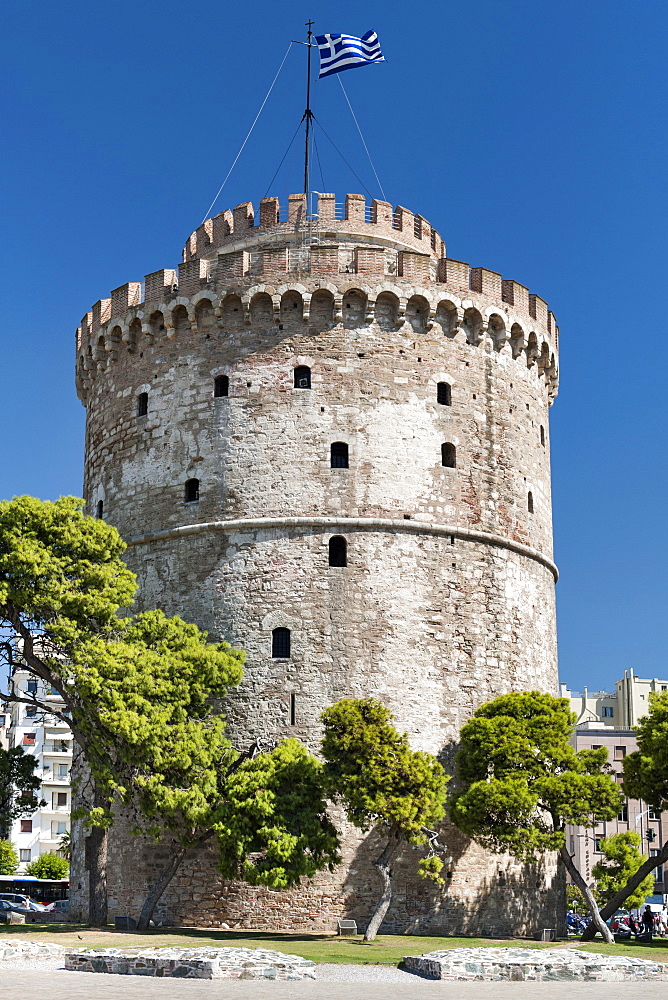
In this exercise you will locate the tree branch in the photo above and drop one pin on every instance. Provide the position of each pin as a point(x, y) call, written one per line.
point(613, 905)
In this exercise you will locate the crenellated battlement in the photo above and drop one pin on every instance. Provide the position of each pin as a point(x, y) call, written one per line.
point(379, 220)
point(388, 259)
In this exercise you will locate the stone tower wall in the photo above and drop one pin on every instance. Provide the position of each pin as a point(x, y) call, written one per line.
point(447, 598)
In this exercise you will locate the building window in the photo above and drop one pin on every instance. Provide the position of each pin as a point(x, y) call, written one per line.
point(620, 753)
point(221, 386)
point(448, 456)
point(339, 455)
point(607, 711)
point(25, 854)
point(530, 502)
point(26, 826)
point(623, 816)
point(293, 709)
point(58, 828)
point(597, 844)
point(53, 690)
point(29, 739)
point(280, 643)
point(99, 509)
point(302, 377)
point(444, 394)
point(31, 713)
point(142, 404)
point(62, 771)
point(338, 551)
point(31, 687)
point(59, 800)
point(542, 435)
point(191, 491)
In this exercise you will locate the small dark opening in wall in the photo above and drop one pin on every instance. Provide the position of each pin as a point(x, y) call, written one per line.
point(142, 404)
point(448, 455)
point(191, 490)
point(444, 394)
point(293, 709)
point(339, 455)
point(280, 643)
point(302, 377)
point(338, 551)
point(542, 435)
point(221, 386)
point(530, 502)
point(99, 509)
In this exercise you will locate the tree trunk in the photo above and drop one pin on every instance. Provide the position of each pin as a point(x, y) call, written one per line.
point(97, 876)
point(597, 920)
point(620, 897)
point(158, 887)
point(97, 866)
point(384, 868)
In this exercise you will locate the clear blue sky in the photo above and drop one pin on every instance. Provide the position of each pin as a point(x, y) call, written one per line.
point(532, 134)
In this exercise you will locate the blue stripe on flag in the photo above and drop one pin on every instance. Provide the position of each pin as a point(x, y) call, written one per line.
point(339, 52)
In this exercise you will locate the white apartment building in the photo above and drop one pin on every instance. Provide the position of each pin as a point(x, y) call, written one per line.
point(619, 709)
point(50, 741)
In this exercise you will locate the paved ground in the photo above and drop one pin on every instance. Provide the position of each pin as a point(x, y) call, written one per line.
point(61, 985)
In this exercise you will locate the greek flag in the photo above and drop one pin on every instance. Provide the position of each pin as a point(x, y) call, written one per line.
point(339, 52)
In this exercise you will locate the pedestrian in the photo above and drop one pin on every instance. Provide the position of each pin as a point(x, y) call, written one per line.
point(662, 921)
point(648, 922)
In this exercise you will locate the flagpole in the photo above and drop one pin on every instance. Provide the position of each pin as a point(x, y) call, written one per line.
point(308, 114)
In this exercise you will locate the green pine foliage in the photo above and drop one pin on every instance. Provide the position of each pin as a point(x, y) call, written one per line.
point(138, 691)
point(49, 866)
point(9, 859)
point(646, 770)
point(18, 785)
point(372, 771)
point(622, 859)
point(519, 780)
point(272, 827)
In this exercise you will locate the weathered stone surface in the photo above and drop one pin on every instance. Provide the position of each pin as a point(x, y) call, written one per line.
point(14, 948)
point(520, 964)
point(193, 963)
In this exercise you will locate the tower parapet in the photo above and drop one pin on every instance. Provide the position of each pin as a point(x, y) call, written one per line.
point(381, 252)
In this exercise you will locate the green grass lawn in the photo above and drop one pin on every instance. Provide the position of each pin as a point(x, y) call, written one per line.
point(388, 949)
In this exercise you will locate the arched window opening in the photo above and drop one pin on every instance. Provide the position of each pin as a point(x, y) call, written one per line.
point(221, 385)
point(100, 509)
point(142, 404)
point(444, 394)
point(448, 455)
point(542, 435)
point(302, 377)
point(338, 551)
point(191, 490)
point(530, 502)
point(339, 455)
point(280, 643)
